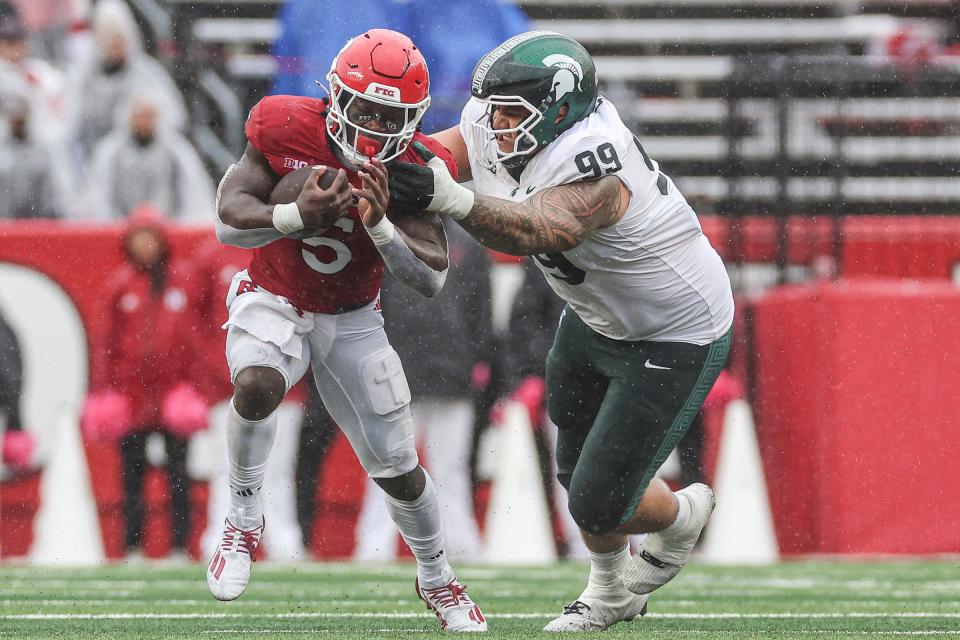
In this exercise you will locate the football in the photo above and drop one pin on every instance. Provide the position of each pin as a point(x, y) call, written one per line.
point(291, 184)
point(290, 187)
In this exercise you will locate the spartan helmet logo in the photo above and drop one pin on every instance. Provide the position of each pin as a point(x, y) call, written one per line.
point(567, 77)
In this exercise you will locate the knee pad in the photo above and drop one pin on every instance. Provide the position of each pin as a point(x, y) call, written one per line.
point(397, 453)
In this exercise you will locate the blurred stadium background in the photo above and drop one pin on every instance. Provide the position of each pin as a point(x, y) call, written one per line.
point(819, 141)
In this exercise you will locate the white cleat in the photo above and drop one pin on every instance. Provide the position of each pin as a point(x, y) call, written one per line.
point(659, 558)
point(229, 571)
point(590, 613)
point(454, 608)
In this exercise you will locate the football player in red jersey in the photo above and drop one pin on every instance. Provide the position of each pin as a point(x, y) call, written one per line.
point(310, 297)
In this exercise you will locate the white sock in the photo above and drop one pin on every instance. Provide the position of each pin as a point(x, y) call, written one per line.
point(606, 569)
point(248, 448)
point(421, 528)
point(682, 523)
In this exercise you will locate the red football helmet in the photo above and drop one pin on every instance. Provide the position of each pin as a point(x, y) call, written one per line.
point(379, 91)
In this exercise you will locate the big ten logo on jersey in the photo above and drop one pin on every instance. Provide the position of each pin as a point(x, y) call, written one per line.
point(383, 91)
point(293, 163)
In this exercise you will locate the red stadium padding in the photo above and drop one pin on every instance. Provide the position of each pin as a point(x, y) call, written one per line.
point(19, 501)
point(799, 329)
point(857, 414)
point(754, 238)
point(901, 246)
point(885, 246)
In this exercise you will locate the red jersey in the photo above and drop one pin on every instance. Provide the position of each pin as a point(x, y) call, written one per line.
point(151, 341)
point(341, 269)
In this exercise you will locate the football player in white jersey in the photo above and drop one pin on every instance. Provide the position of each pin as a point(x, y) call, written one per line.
point(646, 330)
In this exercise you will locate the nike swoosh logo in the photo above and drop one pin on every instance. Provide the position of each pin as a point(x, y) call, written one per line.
point(650, 365)
point(530, 190)
point(646, 555)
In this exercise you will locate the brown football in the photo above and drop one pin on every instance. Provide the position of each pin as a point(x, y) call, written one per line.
point(291, 184)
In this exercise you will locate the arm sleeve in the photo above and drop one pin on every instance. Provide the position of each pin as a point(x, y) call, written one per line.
point(400, 260)
point(245, 238)
point(409, 269)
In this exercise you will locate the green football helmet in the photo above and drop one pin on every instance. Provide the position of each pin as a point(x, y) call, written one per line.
point(540, 71)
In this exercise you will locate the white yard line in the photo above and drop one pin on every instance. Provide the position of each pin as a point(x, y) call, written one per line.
point(205, 602)
point(505, 616)
point(931, 632)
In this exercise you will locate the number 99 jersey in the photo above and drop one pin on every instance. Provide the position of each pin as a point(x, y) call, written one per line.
point(653, 275)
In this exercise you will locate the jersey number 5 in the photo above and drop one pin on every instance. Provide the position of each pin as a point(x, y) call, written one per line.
point(342, 251)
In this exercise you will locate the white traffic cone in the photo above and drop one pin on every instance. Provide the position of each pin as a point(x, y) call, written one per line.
point(741, 528)
point(66, 527)
point(518, 527)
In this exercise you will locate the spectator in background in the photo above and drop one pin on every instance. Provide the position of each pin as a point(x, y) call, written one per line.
point(442, 366)
point(58, 28)
point(148, 369)
point(31, 184)
point(11, 376)
point(18, 451)
point(44, 84)
point(312, 30)
point(453, 45)
point(146, 160)
point(117, 70)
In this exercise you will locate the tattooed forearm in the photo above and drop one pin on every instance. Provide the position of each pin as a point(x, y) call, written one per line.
point(555, 219)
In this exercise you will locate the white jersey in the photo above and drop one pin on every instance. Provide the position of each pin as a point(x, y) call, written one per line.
point(653, 275)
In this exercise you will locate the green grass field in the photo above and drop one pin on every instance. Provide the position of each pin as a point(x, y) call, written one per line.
point(790, 600)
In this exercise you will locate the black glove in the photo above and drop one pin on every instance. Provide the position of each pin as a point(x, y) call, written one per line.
point(412, 185)
point(429, 188)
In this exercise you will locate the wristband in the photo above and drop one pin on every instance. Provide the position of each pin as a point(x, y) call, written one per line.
point(382, 232)
point(286, 218)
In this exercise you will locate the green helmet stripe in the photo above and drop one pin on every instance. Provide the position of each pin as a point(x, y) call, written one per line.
point(480, 74)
